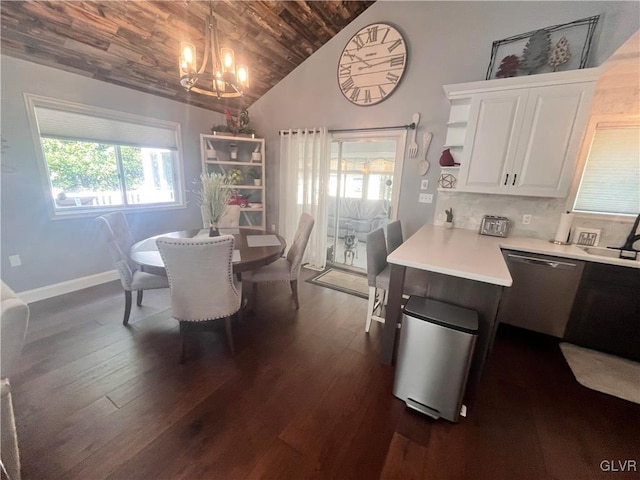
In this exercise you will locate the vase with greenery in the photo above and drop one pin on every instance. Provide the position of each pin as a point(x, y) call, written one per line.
point(449, 222)
point(213, 198)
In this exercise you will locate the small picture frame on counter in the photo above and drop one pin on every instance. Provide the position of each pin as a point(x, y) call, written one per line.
point(589, 237)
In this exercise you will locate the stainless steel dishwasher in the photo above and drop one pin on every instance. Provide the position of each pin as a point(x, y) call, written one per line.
point(542, 293)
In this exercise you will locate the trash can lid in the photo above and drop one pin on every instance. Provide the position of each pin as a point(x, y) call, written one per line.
point(443, 314)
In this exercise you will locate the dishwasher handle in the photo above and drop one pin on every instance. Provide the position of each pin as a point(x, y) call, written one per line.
point(539, 261)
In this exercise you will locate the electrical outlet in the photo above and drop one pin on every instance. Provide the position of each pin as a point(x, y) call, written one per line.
point(273, 227)
point(425, 198)
point(15, 260)
point(424, 184)
point(526, 219)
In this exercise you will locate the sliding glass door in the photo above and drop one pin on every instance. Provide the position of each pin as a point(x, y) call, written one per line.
point(364, 186)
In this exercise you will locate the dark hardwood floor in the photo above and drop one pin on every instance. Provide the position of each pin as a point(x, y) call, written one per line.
point(304, 397)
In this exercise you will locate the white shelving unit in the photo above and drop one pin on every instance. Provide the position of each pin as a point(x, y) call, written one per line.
point(225, 153)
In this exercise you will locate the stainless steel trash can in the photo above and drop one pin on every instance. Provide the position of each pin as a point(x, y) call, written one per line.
point(434, 355)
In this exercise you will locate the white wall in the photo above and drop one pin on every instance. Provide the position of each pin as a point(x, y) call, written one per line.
point(449, 42)
point(54, 251)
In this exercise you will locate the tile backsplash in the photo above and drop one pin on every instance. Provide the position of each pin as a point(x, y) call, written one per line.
point(469, 208)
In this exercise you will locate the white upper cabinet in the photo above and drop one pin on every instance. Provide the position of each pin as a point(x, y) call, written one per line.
point(522, 134)
point(492, 140)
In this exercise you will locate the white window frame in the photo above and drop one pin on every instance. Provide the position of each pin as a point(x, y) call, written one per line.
point(33, 101)
point(594, 121)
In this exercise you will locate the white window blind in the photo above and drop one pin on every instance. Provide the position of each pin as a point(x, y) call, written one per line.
point(66, 124)
point(610, 181)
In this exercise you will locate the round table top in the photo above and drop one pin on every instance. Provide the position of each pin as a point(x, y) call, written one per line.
point(145, 252)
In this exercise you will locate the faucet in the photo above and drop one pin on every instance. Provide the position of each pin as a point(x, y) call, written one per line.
point(633, 237)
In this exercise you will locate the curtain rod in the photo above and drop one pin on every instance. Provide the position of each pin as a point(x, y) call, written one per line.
point(411, 126)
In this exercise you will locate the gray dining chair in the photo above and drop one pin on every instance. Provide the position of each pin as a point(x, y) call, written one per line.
point(378, 278)
point(14, 319)
point(285, 268)
point(394, 235)
point(203, 286)
point(115, 229)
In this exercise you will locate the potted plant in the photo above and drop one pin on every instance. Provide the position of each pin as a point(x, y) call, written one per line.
point(256, 174)
point(213, 198)
point(449, 222)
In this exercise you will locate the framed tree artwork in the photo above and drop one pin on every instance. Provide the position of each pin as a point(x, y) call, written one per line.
point(550, 49)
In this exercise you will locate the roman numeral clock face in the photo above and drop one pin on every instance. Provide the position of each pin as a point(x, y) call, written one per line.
point(372, 64)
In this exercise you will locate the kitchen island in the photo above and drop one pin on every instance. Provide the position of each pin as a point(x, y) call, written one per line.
point(468, 270)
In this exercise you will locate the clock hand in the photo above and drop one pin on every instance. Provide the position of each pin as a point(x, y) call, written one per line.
point(369, 65)
point(363, 61)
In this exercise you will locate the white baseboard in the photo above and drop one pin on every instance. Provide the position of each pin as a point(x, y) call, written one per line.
point(42, 293)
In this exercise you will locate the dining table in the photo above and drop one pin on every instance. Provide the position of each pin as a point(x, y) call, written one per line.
point(253, 249)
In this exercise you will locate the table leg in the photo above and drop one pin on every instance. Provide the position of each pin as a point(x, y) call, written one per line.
point(393, 314)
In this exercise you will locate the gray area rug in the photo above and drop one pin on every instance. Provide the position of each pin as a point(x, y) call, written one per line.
point(603, 372)
point(343, 281)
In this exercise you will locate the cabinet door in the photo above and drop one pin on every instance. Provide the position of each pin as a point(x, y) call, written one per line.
point(491, 143)
point(552, 129)
point(606, 311)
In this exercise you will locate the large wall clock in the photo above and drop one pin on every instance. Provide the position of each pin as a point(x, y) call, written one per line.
point(372, 64)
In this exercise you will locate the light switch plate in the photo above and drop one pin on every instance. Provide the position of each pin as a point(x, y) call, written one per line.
point(424, 184)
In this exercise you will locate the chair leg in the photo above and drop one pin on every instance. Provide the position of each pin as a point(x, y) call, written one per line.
point(370, 306)
point(139, 299)
point(294, 290)
point(254, 295)
point(127, 307)
point(183, 349)
point(227, 324)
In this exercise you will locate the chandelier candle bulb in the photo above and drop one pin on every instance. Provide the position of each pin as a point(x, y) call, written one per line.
point(562, 234)
point(188, 58)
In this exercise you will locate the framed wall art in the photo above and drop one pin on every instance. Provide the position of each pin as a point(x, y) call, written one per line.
point(550, 49)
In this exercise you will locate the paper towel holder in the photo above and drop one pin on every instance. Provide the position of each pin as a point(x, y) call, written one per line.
point(563, 242)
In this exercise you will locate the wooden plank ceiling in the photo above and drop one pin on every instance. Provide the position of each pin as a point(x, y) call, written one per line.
point(136, 44)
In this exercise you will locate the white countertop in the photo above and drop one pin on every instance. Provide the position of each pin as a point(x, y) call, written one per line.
point(467, 254)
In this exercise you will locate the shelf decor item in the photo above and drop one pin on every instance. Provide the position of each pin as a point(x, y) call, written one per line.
point(545, 50)
point(256, 155)
point(235, 176)
point(213, 198)
point(255, 174)
point(446, 159)
point(447, 181)
point(236, 126)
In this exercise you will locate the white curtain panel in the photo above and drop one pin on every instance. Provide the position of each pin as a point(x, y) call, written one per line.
point(304, 178)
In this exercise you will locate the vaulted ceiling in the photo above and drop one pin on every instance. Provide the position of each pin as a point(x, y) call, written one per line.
point(136, 44)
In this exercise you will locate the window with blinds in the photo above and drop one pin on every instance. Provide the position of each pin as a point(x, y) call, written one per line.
point(610, 182)
point(97, 159)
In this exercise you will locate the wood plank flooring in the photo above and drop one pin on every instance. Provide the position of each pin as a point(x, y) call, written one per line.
point(304, 398)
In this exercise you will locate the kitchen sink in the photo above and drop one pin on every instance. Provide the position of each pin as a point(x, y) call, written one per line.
point(609, 252)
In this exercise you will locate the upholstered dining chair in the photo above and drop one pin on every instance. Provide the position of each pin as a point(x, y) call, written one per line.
point(203, 286)
point(378, 277)
point(116, 231)
point(394, 235)
point(14, 320)
point(230, 218)
point(285, 268)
